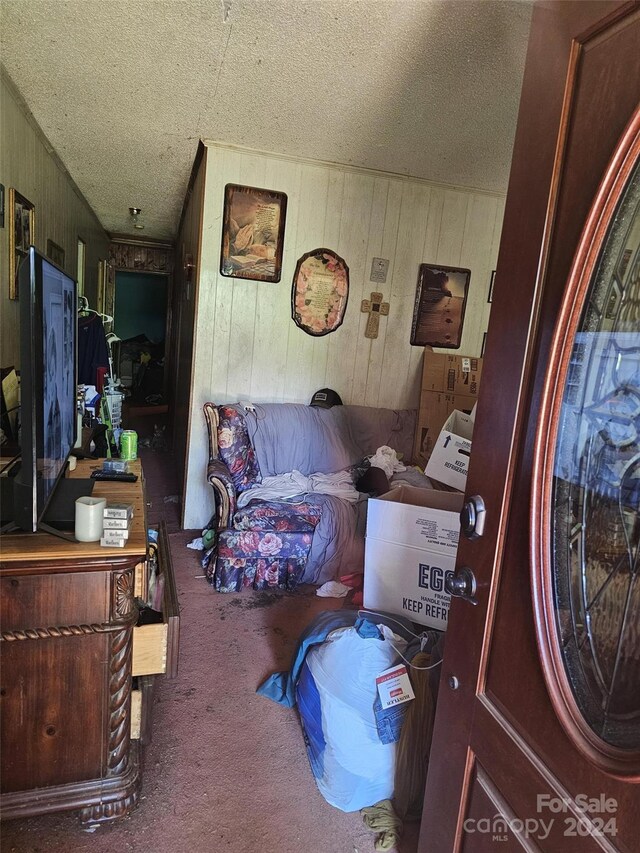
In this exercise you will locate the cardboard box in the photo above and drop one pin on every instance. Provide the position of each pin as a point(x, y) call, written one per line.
point(435, 408)
point(449, 383)
point(449, 460)
point(451, 374)
point(411, 545)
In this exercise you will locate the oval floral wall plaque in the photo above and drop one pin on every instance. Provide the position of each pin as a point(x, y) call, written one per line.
point(320, 292)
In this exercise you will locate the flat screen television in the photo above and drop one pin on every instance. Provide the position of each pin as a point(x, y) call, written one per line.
point(48, 364)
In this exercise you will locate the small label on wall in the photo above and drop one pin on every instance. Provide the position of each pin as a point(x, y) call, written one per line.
point(379, 269)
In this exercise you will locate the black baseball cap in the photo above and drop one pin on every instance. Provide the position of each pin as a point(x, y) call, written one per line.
point(326, 398)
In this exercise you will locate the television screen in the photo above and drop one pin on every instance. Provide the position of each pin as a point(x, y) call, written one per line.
point(48, 323)
point(59, 380)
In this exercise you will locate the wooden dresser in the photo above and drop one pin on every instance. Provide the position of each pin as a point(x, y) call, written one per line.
point(70, 654)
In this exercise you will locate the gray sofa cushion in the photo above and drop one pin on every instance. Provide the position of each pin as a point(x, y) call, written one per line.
point(293, 436)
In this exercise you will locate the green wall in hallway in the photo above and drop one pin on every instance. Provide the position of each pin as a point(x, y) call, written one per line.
point(140, 305)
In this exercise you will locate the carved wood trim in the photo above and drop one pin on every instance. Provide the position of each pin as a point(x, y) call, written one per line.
point(98, 799)
point(615, 761)
point(141, 257)
point(124, 612)
point(110, 811)
point(56, 632)
point(123, 606)
point(119, 701)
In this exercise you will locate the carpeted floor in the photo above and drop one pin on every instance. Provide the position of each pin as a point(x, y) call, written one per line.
point(226, 769)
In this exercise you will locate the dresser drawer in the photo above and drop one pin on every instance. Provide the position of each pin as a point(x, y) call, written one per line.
point(155, 647)
point(54, 600)
point(142, 708)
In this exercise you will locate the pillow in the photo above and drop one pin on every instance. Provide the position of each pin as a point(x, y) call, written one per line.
point(235, 449)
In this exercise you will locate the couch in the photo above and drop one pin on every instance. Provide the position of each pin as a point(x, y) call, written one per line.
point(312, 537)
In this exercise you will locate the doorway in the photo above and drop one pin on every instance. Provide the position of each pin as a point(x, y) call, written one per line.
point(141, 324)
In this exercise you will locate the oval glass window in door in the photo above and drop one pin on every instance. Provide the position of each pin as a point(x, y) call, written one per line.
point(587, 501)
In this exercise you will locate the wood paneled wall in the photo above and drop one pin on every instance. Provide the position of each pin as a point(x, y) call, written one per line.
point(28, 164)
point(247, 347)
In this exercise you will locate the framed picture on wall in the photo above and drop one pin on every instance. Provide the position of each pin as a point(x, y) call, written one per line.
point(109, 301)
point(82, 253)
point(21, 235)
point(320, 292)
point(252, 233)
point(102, 286)
point(55, 253)
point(438, 311)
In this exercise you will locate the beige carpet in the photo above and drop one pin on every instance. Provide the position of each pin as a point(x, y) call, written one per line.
point(226, 770)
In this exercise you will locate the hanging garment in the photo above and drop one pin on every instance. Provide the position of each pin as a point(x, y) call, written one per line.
point(92, 349)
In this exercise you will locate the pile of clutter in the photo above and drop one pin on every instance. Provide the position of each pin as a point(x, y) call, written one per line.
point(365, 686)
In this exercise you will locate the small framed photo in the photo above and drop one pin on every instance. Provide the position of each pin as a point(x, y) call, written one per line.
point(55, 253)
point(21, 235)
point(252, 233)
point(490, 295)
point(438, 311)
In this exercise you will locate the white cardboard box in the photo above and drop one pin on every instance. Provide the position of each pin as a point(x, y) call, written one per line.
point(411, 545)
point(449, 460)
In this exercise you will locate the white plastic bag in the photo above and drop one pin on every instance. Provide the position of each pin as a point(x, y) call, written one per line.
point(357, 770)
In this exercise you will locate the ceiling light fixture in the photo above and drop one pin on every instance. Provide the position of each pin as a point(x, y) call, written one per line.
point(135, 217)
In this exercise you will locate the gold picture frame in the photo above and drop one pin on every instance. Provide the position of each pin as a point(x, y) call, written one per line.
point(21, 235)
point(102, 286)
point(109, 300)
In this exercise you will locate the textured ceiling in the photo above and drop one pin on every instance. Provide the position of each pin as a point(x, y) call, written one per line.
point(124, 89)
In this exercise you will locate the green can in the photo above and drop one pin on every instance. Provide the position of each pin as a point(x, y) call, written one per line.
point(129, 445)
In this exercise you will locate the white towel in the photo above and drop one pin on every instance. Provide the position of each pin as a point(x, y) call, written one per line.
point(332, 589)
point(387, 459)
point(294, 484)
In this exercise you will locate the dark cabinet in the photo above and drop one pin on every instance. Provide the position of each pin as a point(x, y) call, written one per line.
point(69, 652)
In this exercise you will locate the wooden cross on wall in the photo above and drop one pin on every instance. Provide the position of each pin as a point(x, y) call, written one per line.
point(374, 307)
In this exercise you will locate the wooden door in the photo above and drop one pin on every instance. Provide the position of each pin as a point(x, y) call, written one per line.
point(535, 746)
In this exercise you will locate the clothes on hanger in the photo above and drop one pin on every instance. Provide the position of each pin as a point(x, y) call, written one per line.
point(92, 348)
point(84, 310)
